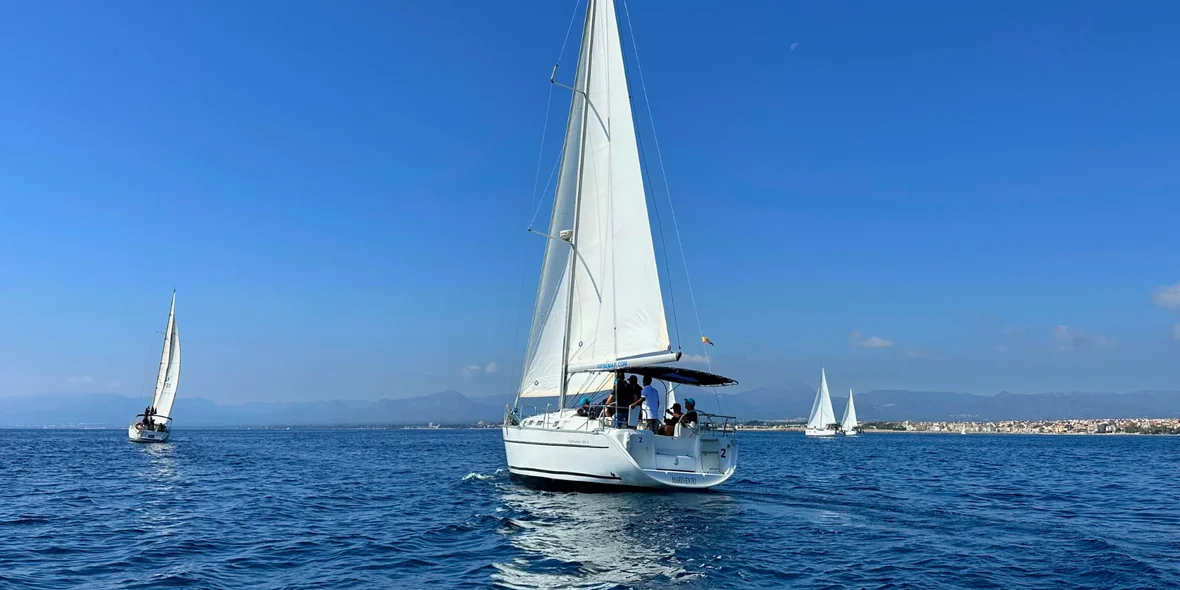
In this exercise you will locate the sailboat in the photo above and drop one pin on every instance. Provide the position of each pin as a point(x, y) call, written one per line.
point(822, 421)
point(599, 312)
point(848, 425)
point(156, 425)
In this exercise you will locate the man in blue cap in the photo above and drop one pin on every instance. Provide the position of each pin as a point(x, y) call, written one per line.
point(585, 409)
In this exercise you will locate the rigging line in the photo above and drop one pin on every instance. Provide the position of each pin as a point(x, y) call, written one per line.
point(540, 155)
point(667, 190)
point(143, 380)
point(545, 127)
point(536, 197)
point(544, 190)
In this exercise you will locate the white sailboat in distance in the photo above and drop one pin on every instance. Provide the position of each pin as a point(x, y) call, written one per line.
point(822, 421)
point(155, 424)
point(849, 426)
point(599, 313)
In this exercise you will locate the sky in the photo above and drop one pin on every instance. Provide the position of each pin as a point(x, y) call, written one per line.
point(962, 196)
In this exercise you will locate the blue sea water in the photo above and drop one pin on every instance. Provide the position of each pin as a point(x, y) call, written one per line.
point(412, 509)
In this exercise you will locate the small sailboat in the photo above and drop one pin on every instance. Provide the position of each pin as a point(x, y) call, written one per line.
point(599, 312)
point(155, 424)
point(849, 426)
point(822, 421)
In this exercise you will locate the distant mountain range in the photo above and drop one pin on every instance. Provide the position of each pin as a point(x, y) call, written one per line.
point(792, 401)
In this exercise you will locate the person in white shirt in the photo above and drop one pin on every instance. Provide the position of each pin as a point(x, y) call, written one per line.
point(651, 405)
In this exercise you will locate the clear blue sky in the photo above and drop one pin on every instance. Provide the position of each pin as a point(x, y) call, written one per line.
point(339, 191)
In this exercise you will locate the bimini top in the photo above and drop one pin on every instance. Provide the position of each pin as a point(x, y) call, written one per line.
point(680, 375)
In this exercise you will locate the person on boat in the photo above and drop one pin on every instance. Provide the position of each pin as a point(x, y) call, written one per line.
point(636, 397)
point(614, 402)
point(650, 404)
point(625, 396)
point(584, 410)
point(671, 418)
point(690, 412)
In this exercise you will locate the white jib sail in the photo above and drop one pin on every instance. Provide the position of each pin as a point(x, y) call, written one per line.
point(849, 422)
point(169, 374)
point(821, 411)
point(616, 309)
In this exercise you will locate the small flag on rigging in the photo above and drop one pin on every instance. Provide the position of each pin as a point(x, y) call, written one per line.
point(705, 340)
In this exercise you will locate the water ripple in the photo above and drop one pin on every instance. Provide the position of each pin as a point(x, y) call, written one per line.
point(336, 508)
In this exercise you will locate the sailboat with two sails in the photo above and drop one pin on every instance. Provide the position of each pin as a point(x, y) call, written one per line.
point(822, 421)
point(599, 312)
point(155, 423)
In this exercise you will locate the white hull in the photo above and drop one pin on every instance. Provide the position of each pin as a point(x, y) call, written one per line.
point(588, 452)
point(822, 433)
point(850, 433)
point(147, 436)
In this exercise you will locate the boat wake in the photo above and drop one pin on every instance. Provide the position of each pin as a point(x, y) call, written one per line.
point(485, 476)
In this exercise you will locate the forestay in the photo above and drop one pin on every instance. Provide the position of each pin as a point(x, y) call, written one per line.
point(615, 313)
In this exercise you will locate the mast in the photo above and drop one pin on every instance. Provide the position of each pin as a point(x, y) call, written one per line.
point(573, 241)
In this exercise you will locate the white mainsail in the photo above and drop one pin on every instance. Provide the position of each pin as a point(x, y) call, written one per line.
point(849, 423)
point(599, 300)
point(169, 373)
point(821, 411)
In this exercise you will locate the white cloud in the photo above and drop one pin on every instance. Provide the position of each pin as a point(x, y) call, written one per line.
point(1167, 297)
point(81, 379)
point(472, 370)
point(868, 341)
point(1071, 339)
point(698, 359)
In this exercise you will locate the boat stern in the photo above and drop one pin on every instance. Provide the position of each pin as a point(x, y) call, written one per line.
point(138, 433)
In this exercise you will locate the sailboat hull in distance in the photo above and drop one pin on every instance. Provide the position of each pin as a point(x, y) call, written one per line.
point(565, 447)
point(141, 435)
point(820, 433)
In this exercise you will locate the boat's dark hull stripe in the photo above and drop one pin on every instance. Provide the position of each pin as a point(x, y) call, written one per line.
point(611, 477)
point(545, 444)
